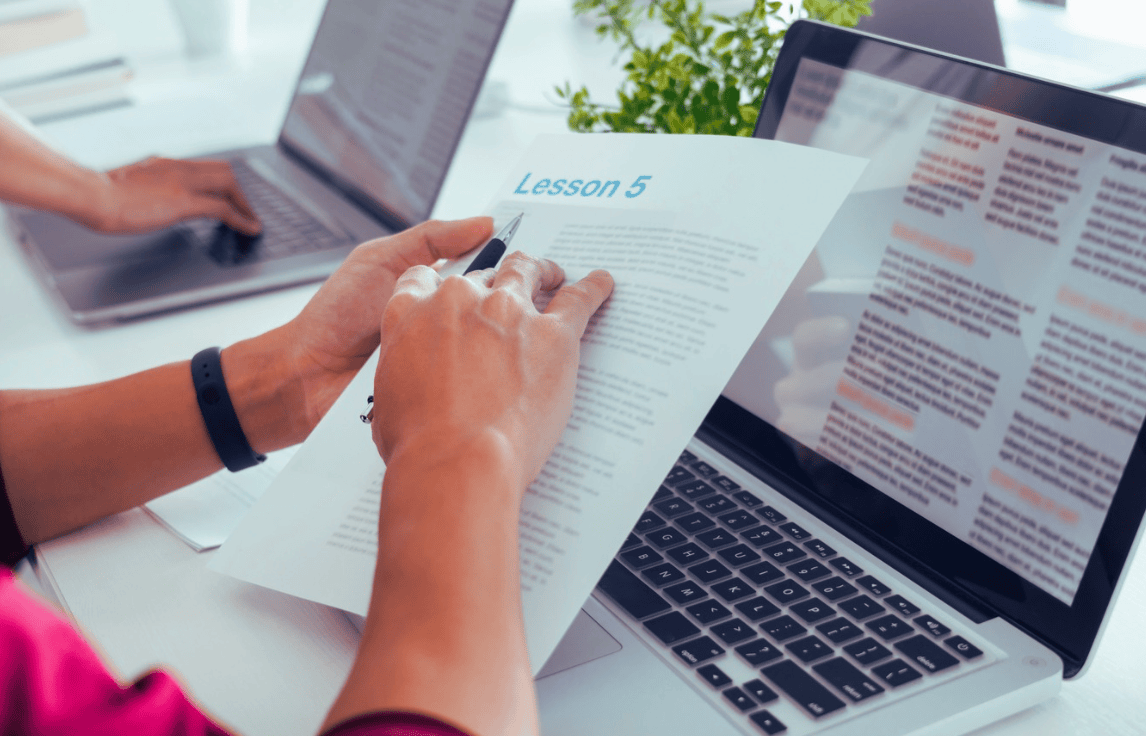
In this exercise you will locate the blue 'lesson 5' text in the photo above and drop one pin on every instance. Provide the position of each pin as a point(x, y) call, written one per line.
point(591, 188)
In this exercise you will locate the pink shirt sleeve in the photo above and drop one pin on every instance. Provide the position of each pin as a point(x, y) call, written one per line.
point(52, 682)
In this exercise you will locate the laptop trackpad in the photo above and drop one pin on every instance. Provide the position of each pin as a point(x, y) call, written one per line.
point(583, 642)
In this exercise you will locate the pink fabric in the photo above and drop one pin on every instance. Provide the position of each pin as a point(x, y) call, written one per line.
point(51, 682)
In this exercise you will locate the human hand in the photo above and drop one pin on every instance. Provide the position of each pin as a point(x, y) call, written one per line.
point(805, 394)
point(338, 329)
point(470, 358)
point(158, 192)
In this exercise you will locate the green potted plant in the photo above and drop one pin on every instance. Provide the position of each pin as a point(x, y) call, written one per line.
point(709, 76)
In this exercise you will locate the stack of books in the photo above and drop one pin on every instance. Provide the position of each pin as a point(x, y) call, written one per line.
point(51, 63)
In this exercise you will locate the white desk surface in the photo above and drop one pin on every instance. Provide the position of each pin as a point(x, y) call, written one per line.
point(266, 663)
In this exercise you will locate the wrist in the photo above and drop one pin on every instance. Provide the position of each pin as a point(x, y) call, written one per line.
point(92, 201)
point(266, 391)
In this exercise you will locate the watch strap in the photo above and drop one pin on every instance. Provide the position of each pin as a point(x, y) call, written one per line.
point(219, 413)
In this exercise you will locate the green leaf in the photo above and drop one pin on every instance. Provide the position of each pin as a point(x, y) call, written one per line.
point(711, 73)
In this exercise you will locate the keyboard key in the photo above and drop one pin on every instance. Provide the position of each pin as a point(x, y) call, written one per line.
point(685, 592)
point(686, 458)
point(819, 549)
point(740, 699)
point(761, 536)
point(757, 689)
point(873, 585)
point(767, 722)
point(642, 557)
point(648, 522)
point(784, 552)
point(839, 630)
point(784, 627)
point(698, 650)
point(833, 588)
point(772, 515)
point(809, 570)
point(800, 687)
point(785, 591)
point(966, 649)
point(686, 554)
point(693, 523)
point(703, 469)
point(708, 611)
point(671, 627)
point(631, 541)
point(757, 609)
point(630, 592)
point(662, 574)
point(890, 627)
point(732, 631)
point(846, 566)
point(795, 531)
point(713, 675)
point(812, 610)
point(764, 572)
point(667, 537)
point(716, 504)
point(739, 555)
point(716, 538)
point(809, 649)
point(867, 651)
point(861, 607)
point(901, 604)
point(843, 676)
point(737, 520)
point(709, 570)
point(677, 476)
point(895, 673)
point(732, 590)
point(662, 493)
point(758, 652)
point(695, 489)
point(926, 654)
point(671, 507)
point(931, 626)
point(748, 498)
point(728, 485)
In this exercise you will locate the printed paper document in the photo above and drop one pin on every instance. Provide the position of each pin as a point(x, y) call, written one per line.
point(702, 235)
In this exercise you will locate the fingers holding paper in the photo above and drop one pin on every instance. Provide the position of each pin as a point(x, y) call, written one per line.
point(467, 358)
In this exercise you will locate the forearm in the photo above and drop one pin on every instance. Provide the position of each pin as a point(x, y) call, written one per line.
point(33, 175)
point(73, 456)
point(444, 635)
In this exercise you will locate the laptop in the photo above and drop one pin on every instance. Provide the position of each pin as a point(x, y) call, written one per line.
point(377, 114)
point(965, 28)
point(911, 509)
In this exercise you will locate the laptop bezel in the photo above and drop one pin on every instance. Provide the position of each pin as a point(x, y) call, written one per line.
point(1071, 631)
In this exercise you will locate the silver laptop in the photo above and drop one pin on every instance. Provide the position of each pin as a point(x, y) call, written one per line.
point(965, 28)
point(911, 509)
point(377, 114)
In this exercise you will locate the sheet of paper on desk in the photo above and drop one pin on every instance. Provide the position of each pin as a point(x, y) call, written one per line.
point(205, 513)
point(702, 235)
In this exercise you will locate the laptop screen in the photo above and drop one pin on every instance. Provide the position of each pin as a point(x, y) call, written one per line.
point(386, 92)
point(965, 350)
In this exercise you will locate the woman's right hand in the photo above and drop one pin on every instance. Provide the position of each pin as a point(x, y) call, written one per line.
point(471, 359)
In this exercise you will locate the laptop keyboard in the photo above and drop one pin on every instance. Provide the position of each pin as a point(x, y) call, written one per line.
point(288, 229)
point(739, 596)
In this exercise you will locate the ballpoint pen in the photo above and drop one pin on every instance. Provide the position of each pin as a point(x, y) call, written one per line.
point(496, 247)
point(490, 254)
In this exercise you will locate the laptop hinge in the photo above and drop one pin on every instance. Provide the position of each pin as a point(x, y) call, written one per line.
point(966, 604)
point(371, 208)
